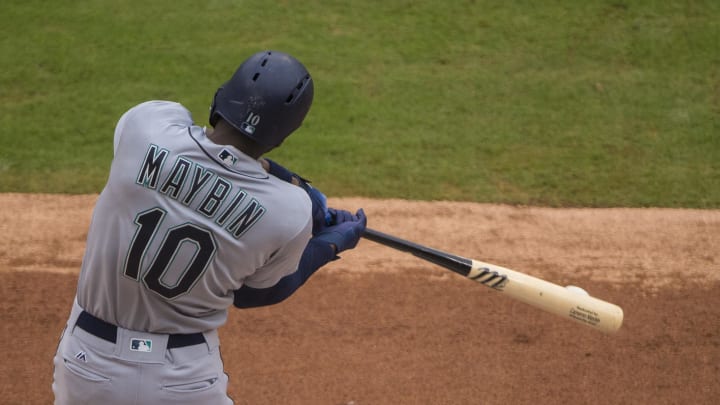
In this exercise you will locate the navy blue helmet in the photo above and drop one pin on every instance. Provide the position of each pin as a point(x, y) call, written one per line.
point(266, 99)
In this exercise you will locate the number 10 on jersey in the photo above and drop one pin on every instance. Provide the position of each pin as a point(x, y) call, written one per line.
point(201, 239)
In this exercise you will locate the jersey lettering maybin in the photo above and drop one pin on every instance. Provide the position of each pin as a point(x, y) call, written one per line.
point(181, 223)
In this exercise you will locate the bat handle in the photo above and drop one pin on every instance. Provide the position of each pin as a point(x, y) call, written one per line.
point(458, 264)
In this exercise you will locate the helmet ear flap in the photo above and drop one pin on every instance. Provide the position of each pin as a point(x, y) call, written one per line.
point(214, 116)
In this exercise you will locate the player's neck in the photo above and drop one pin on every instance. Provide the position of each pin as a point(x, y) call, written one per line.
point(224, 134)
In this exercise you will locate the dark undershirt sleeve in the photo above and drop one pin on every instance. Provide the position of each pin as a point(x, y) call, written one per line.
point(316, 255)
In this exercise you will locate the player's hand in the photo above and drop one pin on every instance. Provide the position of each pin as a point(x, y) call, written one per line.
point(345, 229)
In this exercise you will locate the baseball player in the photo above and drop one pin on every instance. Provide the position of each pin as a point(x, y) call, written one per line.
point(189, 223)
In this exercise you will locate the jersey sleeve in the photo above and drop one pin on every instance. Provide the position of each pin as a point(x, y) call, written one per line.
point(283, 262)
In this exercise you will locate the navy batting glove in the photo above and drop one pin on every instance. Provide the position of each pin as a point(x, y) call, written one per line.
point(346, 231)
point(320, 213)
point(336, 217)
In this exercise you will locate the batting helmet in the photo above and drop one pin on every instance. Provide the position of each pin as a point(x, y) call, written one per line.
point(266, 99)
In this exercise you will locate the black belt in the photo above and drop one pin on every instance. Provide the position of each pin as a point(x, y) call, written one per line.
point(108, 331)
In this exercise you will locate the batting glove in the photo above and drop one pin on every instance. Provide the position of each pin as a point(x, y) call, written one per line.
point(345, 231)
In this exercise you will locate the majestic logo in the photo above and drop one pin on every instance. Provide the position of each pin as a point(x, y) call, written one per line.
point(250, 123)
point(82, 356)
point(227, 157)
point(141, 345)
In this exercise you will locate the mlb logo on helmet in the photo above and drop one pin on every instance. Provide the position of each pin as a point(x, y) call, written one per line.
point(141, 345)
point(247, 128)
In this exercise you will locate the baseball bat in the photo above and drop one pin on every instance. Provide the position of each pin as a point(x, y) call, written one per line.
point(568, 302)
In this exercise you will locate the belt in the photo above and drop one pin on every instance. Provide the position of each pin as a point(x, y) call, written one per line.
point(108, 331)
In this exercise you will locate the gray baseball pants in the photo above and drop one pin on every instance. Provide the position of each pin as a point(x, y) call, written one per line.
point(138, 368)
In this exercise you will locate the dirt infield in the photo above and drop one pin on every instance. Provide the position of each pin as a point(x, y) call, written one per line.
point(382, 327)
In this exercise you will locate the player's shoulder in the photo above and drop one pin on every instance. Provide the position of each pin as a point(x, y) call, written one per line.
point(151, 119)
point(294, 224)
point(160, 111)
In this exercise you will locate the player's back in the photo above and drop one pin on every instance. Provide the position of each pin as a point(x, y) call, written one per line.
point(181, 223)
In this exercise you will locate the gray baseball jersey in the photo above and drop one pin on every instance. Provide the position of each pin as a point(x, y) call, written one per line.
point(181, 223)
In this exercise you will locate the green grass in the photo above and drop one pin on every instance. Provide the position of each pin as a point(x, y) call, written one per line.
point(557, 103)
